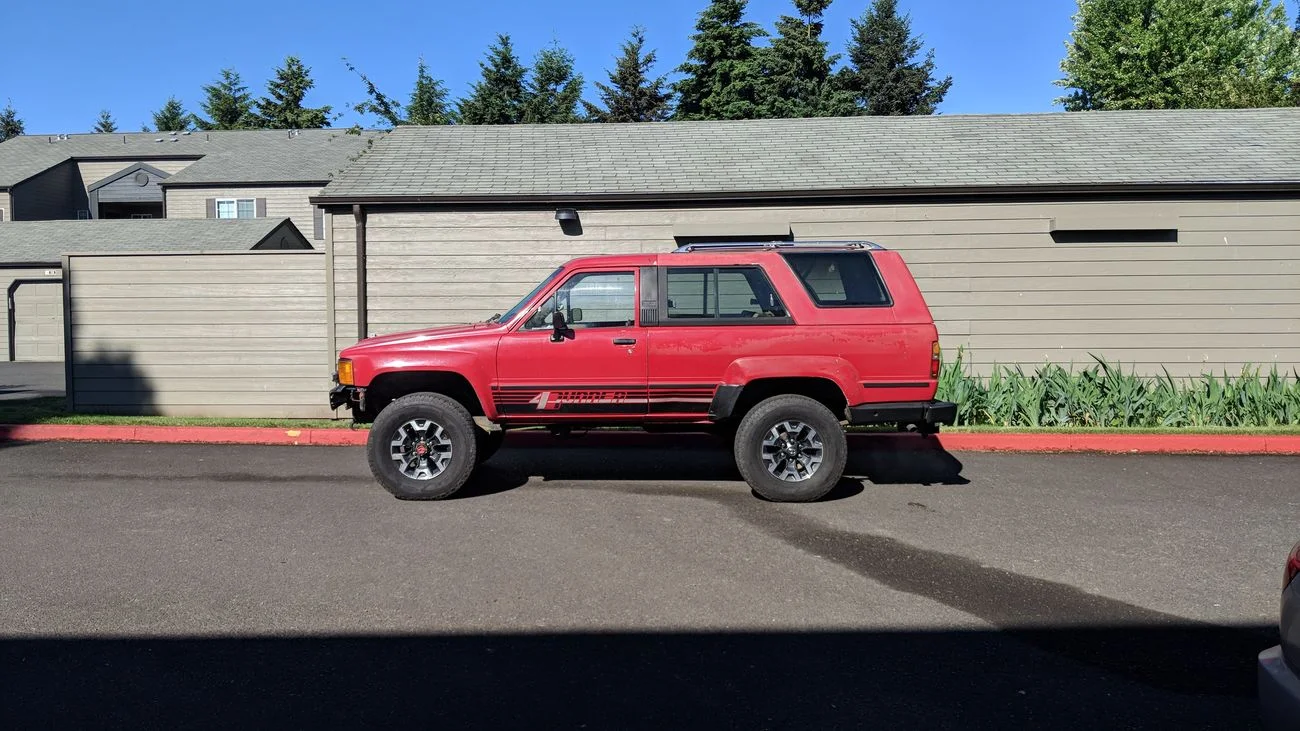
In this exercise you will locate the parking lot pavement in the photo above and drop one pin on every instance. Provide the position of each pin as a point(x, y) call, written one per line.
point(578, 587)
point(30, 380)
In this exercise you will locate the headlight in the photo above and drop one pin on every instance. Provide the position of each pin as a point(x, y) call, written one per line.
point(345, 375)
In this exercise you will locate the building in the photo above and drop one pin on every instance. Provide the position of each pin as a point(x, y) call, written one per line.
point(1158, 239)
point(217, 174)
point(31, 261)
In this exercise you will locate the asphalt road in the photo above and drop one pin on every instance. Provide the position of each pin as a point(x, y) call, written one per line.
point(30, 380)
point(591, 588)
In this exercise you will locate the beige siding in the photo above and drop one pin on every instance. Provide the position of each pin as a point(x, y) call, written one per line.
point(281, 202)
point(38, 315)
point(1226, 293)
point(7, 205)
point(240, 334)
point(92, 172)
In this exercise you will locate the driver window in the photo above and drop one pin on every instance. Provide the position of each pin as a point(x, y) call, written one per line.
point(591, 299)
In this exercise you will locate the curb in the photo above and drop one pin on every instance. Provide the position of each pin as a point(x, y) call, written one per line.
point(953, 442)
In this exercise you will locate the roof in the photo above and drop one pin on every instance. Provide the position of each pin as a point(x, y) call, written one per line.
point(831, 156)
point(231, 156)
point(47, 241)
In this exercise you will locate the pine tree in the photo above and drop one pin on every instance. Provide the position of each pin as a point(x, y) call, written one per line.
point(379, 104)
point(632, 94)
point(883, 74)
point(282, 107)
point(797, 80)
point(722, 69)
point(172, 117)
point(552, 92)
point(227, 104)
point(1180, 54)
point(10, 124)
point(497, 98)
point(105, 124)
point(428, 103)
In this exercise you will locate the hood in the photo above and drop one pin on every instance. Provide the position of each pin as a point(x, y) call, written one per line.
point(414, 337)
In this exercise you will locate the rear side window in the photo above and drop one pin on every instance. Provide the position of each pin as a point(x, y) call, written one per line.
point(721, 295)
point(840, 279)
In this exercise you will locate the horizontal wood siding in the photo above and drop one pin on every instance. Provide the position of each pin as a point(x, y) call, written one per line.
point(92, 172)
point(7, 214)
point(281, 202)
point(53, 195)
point(240, 334)
point(1225, 294)
point(36, 316)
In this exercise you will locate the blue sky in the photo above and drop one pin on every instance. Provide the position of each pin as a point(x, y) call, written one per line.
point(62, 66)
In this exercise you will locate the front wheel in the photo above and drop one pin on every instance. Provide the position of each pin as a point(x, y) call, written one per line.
point(791, 449)
point(423, 447)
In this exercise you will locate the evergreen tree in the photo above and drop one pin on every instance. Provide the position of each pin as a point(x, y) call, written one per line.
point(552, 93)
point(172, 117)
point(379, 104)
point(1176, 54)
point(428, 103)
point(282, 107)
point(797, 79)
point(722, 70)
point(884, 75)
point(227, 104)
point(632, 94)
point(10, 124)
point(498, 97)
point(105, 124)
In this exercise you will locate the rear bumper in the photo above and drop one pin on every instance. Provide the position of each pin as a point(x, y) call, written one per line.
point(904, 412)
point(1279, 692)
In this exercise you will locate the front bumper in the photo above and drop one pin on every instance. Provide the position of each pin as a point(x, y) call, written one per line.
point(1279, 692)
point(344, 396)
point(933, 413)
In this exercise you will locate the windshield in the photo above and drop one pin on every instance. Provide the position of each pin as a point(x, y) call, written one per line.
point(513, 311)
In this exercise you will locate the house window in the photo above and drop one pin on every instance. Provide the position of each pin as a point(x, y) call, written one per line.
point(236, 208)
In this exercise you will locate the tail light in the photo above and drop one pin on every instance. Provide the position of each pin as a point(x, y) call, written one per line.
point(1292, 567)
point(936, 359)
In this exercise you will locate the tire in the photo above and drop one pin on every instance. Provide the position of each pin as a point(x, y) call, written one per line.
point(488, 443)
point(768, 422)
point(447, 428)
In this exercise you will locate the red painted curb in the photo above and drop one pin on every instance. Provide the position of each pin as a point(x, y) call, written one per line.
point(954, 442)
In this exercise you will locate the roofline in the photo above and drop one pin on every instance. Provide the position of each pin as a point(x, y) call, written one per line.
point(823, 194)
point(114, 177)
point(238, 184)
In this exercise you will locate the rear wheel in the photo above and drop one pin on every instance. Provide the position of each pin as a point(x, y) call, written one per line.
point(423, 447)
point(791, 449)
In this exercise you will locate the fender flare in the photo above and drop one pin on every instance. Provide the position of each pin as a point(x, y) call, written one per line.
point(744, 371)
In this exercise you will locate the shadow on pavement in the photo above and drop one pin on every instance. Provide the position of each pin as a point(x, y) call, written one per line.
point(1165, 677)
point(687, 457)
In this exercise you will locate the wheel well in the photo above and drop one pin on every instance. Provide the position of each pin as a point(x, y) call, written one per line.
point(387, 387)
point(823, 390)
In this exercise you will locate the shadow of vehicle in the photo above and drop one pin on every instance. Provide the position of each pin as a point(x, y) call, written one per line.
point(637, 456)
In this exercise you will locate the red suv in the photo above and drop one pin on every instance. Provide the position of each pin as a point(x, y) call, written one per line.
point(776, 345)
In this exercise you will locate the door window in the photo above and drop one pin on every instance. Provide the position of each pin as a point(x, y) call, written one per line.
point(591, 300)
point(721, 295)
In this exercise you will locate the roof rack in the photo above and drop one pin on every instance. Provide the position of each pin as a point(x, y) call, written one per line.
point(750, 245)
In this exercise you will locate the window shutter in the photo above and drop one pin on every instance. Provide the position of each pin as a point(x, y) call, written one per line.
point(261, 208)
point(317, 223)
point(211, 207)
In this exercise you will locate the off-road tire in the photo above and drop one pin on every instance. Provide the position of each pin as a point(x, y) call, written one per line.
point(488, 443)
point(755, 426)
point(459, 428)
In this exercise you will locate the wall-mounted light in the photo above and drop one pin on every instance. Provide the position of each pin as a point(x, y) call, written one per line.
point(570, 224)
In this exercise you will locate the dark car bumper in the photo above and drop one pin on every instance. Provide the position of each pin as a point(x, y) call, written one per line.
point(1279, 692)
point(933, 413)
point(343, 396)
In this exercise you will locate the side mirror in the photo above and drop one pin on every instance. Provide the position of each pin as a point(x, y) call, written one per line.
point(560, 328)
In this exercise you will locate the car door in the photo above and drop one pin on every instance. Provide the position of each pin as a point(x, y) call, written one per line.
point(597, 368)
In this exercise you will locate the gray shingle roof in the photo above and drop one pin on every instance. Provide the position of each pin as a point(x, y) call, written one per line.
point(254, 156)
point(832, 155)
point(48, 241)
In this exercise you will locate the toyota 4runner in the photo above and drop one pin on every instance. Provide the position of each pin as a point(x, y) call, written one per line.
point(774, 345)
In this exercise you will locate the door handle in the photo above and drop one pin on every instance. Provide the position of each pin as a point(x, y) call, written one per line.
point(625, 341)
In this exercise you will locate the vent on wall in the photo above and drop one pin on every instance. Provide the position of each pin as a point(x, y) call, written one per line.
point(731, 233)
point(1115, 230)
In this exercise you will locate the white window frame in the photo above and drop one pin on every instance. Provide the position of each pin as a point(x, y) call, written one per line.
point(234, 202)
